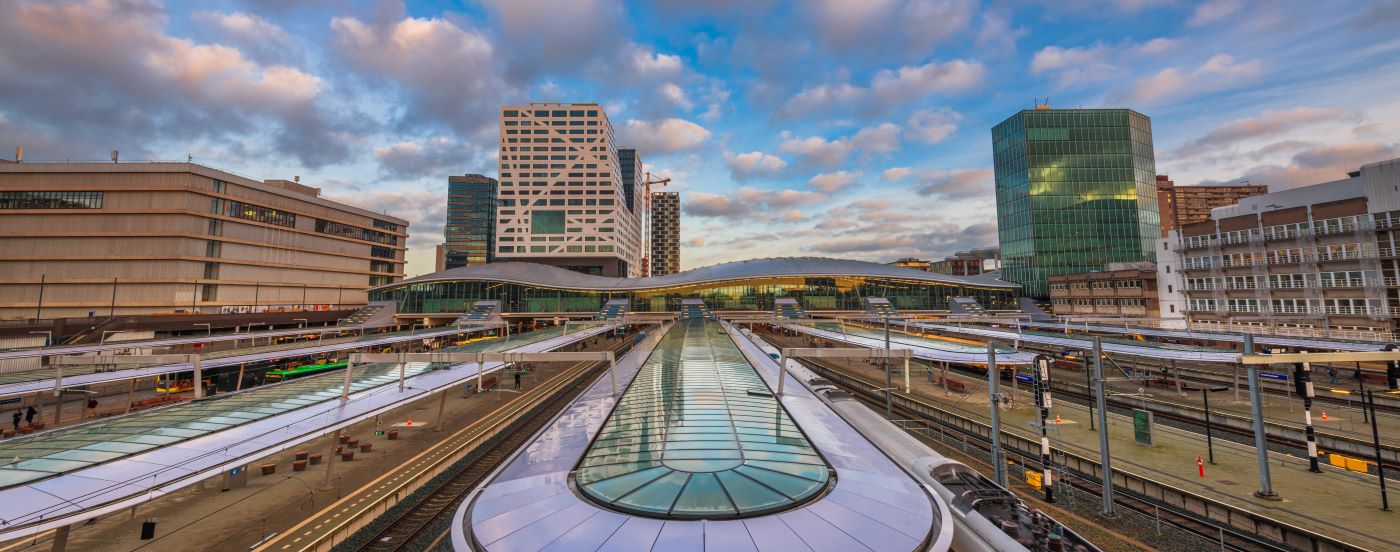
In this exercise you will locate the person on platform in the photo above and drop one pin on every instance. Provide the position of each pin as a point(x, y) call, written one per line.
point(30, 414)
point(17, 416)
point(517, 379)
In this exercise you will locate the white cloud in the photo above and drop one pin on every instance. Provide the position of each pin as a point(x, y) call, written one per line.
point(1074, 65)
point(744, 202)
point(889, 89)
point(664, 136)
point(931, 127)
point(1268, 123)
point(1214, 10)
point(833, 182)
point(881, 139)
point(753, 164)
point(431, 157)
point(650, 64)
point(817, 151)
point(259, 37)
point(954, 184)
point(1219, 72)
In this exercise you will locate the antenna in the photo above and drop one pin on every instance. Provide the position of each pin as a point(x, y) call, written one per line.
point(19, 154)
point(114, 156)
point(1042, 106)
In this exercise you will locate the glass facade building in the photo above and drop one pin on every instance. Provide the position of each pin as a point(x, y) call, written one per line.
point(1075, 191)
point(816, 284)
point(471, 220)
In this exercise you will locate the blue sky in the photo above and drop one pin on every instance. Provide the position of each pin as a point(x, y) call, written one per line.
point(832, 128)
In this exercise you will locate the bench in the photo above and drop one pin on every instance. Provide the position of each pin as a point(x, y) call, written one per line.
point(953, 385)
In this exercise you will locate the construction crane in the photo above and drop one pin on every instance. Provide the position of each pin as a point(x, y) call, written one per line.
point(646, 220)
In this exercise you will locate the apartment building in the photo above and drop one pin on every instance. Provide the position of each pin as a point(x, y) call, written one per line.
point(1121, 290)
point(1317, 260)
point(665, 233)
point(1182, 205)
point(563, 200)
point(100, 239)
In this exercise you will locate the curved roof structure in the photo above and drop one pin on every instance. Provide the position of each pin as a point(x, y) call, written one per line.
point(555, 277)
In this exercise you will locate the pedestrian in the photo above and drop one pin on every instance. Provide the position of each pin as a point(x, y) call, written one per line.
point(30, 414)
point(1356, 376)
point(517, 379)
point(92, 406)
point(17, 416)
point(1332, 373)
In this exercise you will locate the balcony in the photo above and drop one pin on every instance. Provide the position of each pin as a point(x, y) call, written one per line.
point(1389, 252)
point(1342, 255)
point(1387, 224)
point(1292, 284)
point(1340, 229)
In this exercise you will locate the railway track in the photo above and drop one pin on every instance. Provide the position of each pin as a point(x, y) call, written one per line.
point(864, 390)
point(417, 523)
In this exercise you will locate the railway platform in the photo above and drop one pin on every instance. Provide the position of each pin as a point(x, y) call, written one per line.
point(1337, 502)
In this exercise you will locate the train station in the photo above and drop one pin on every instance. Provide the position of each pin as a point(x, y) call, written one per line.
point(774, 404)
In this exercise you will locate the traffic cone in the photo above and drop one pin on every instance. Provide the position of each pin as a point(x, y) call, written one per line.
point(410, 422)
point(1324, 415)
point(1057, 418)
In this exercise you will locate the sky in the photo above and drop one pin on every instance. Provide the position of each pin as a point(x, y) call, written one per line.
point(835, 128)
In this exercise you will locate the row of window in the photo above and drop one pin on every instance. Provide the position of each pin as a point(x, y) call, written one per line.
point(546, 248)
point(258, 213)
point(1099, 302)
point(50, 200)
point(1334, 252)
point(354, 232)
point(1292, 306)
point(549, 113)
point(1348, 278)
point(1132, 283)
point(1281, 231)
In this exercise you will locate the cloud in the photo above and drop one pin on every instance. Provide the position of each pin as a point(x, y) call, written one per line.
point(1318, 164)
point(435, 156)
point(1268, 123)
point(664, 136)
point(1214, 10)
point(261, 39)
point(954, 184)
point(1219, 72)
point(793, 216)
point(996, 35)
point(697, 241)
point(930, 126)
point(745, 202)
point(414, 54)
point(881, 139)
point(818, 151)
point(1074, 65)
point(754, 164)
point(834, 181)
point(900, 28)
point(99, 75)
point(889, 88)
point(556, 37)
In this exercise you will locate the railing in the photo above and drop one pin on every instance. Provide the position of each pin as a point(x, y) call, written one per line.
point(1389, 251)
point(1342, 255)
point(1291, 284)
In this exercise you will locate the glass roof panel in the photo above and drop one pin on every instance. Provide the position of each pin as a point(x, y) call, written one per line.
point(690, 411)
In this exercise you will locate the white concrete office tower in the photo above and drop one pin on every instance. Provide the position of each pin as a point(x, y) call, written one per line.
point(563, 201)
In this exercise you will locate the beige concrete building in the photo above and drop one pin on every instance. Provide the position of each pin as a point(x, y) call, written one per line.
point(95, 239)
point(665, 233)
point(1183, 205)
point(1123, 290)
point(562, 195)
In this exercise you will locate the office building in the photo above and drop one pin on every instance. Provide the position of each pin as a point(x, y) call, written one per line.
point(101, 239)
point(968, 263)
point(1318, 260)
point(471, 220)
point(911, 262)
point(665, 233)
point(1075, 191)
point(1126, 290)
point(562, 197)
point(630, 166)
point(1182, 205)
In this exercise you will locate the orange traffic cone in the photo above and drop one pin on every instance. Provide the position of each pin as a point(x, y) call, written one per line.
point(1057, 418)
point(410, 422)
point(1324, 415)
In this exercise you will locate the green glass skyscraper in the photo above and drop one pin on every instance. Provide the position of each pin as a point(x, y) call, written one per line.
point(1075, 191)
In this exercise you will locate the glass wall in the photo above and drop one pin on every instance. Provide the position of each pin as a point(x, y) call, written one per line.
point(1075, 191)
point(825, 293)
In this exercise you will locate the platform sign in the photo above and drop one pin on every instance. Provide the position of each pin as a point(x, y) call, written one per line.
point(1025, 378)
point(1273, 376)
point(1142, 427)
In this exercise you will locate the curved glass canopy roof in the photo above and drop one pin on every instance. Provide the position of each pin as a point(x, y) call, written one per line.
point(698, 435)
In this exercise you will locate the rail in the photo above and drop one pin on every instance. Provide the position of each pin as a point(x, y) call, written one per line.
point(1227, 518)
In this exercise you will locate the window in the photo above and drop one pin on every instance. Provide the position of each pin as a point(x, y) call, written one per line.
point(381, 266)
point(547, 222)
point(355, 232)
point(381, 252)
point(50, 200)
point(259, 213)
point(386, 225)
